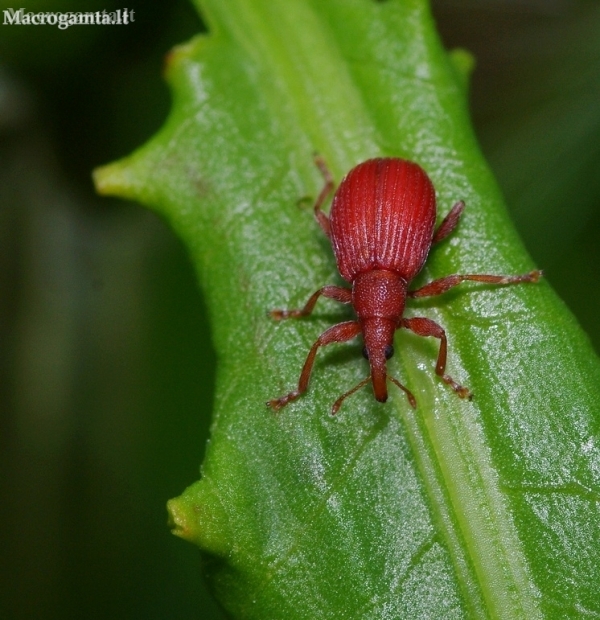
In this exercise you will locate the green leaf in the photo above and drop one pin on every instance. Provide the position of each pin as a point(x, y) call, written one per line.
point(456, 509)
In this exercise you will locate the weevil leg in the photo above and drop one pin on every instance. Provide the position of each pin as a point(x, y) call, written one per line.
point(437, 287)
point(449, 223)
point(327, 188)
point(338, 293)
point(338, 333)
point(426, 327)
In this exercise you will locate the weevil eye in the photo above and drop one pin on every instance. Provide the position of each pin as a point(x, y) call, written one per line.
point(365, 353)
point(389, 351)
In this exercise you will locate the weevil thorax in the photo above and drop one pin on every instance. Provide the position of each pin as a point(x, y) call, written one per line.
point(379, 297)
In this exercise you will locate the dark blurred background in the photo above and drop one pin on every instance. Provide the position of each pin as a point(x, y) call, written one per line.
point(106, 366)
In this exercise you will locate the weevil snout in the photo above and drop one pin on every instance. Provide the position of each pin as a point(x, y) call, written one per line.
point(378, 334)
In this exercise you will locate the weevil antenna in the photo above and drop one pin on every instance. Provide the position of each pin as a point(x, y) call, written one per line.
point(342, 398)
point(409, 394)
point(338, 403)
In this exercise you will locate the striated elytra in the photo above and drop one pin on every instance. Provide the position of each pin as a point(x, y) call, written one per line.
point(381, 227)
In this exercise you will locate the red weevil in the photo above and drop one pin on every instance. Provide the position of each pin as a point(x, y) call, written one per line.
point(381, 227)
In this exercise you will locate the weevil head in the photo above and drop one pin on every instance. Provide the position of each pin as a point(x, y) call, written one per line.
point(379, 334)
point(378, 296)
